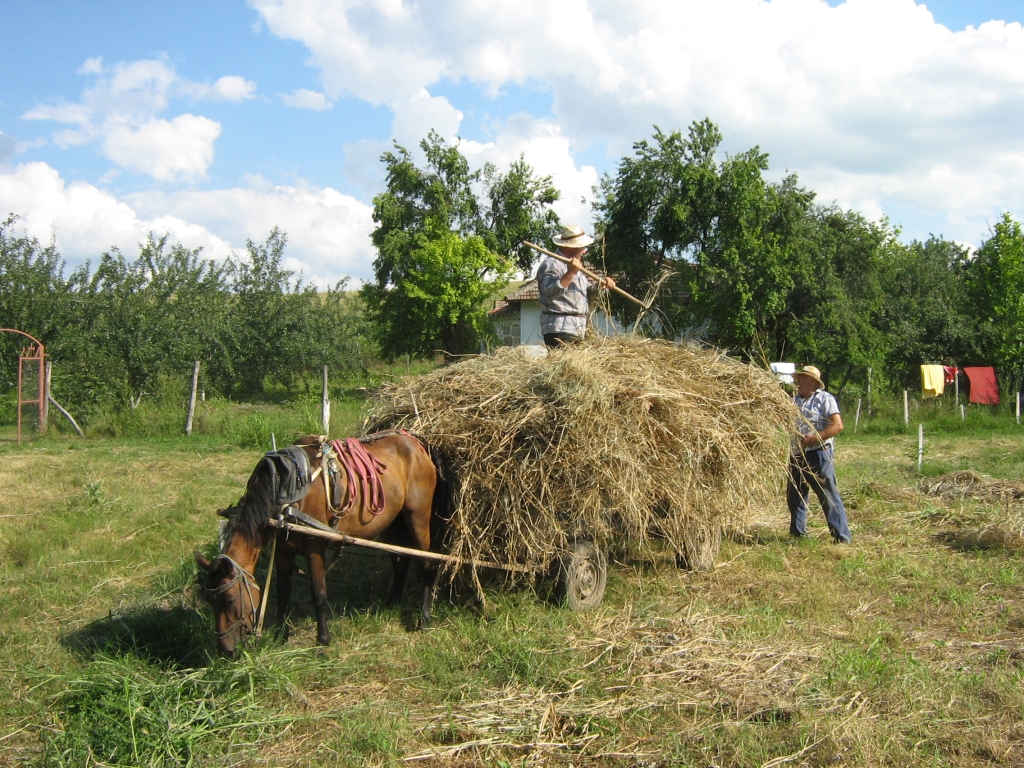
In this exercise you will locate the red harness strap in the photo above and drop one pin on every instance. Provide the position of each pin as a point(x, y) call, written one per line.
point(360, 466)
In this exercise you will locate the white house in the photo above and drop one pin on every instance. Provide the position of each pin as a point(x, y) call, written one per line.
point(516, 318)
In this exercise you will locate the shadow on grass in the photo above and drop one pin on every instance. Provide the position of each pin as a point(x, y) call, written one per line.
point(175, 637)
point(978, 541)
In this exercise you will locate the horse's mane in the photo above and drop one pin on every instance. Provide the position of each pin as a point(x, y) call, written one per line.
point(256, 506)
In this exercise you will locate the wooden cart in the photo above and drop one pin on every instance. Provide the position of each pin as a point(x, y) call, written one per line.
point(582, 571)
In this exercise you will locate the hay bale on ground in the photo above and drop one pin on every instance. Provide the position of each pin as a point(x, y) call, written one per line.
point(618, 437)
point(968, 484)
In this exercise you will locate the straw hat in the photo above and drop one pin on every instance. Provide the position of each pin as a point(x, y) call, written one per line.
point(572, 236)
point(812, 372)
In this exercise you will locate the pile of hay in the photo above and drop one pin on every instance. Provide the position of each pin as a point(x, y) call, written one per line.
point(618, 437)
point(968, 484)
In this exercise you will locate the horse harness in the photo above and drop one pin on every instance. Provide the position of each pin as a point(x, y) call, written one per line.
point(248, 580)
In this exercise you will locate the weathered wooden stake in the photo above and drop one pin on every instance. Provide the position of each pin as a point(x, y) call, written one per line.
point(920, 446)
point(325, 407)
point(956, 383)
point(856, 420)
point(192, 398)
point(963, 415)
point(869, 390)
point(46, 396)
point(273, 443)
point(906, 409)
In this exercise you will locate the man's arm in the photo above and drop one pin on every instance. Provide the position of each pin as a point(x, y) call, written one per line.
point(814, 440)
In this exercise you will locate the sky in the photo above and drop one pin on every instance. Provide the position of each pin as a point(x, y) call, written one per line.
point(214, 122)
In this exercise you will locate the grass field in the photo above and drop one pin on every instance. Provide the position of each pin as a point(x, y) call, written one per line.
point(906, 648)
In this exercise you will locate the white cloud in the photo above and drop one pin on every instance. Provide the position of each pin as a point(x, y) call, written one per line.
point(306, 99)
point(181, 148)
point(87, 221)
point(120, 111)
point(328, 232)
point(872, 93)
point(227, 88)
point(416, 116)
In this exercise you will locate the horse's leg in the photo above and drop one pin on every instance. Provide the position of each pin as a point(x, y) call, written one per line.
point(318, 588)
point(428, 573)
point(285, 572)
point(400, 565)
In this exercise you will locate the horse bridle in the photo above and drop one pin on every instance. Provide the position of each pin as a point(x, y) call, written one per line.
point(246, 578)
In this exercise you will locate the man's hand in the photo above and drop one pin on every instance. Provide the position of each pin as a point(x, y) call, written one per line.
point(815, 440)
point(609, 283)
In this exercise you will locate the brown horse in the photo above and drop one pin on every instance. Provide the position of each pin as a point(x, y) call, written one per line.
point(409, 481)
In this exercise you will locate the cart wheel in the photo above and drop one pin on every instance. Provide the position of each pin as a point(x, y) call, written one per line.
point(583, 576)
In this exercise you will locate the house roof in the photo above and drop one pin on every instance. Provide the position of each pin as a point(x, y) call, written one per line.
point(525, 292)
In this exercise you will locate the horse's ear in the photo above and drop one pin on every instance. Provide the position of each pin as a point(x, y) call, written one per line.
point(228, 512)
point(203, 562)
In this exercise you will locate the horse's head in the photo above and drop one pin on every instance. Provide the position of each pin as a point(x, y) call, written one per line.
point(235, 598)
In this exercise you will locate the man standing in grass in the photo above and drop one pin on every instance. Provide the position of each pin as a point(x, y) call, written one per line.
point(563, 289)
point(811, 460)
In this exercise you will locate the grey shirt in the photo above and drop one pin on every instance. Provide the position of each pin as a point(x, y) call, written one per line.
point(562, 310)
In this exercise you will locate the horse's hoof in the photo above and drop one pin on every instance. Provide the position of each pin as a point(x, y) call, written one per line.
point(323, 639)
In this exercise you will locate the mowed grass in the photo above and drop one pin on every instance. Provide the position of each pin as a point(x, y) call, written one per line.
point(906, 648)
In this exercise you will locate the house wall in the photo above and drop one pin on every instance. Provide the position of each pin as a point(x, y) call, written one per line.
point(529, 323)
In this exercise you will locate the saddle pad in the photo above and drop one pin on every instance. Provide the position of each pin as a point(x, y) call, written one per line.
point(289, 472)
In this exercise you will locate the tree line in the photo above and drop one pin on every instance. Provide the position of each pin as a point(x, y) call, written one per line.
point(114, 329)
point(756, 267)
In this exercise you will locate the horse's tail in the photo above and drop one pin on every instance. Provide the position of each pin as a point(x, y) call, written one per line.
point(445, 491)
point(258, 504)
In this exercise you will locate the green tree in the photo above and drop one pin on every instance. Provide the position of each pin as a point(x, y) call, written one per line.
point(995, 288)
point(925, 316)
point(837, 296)
point(441, 252)
point(725, 235)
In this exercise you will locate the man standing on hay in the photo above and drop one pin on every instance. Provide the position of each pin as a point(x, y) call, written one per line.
point(811, 461)
point(563, 289)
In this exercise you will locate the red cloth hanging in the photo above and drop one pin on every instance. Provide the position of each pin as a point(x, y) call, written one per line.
point(983, 385)
point(950, 374)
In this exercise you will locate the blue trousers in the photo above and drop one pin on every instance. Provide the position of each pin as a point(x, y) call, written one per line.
point(815, 469)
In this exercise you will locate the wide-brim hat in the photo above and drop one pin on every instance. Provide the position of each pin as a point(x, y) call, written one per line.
point(812, 372)
point(572, 236)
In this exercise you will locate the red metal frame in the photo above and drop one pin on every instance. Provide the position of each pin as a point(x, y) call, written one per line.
point(33, 353)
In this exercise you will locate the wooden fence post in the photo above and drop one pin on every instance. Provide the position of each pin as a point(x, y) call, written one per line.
point(856, 420)
point(869, 390)
point(192, 398)
point(325, 407)
point(1018, 407)
point(906, 409)
point(920, 446)
point(46, 396)
point(963, 415)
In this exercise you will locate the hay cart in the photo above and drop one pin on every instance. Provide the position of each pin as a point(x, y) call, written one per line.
point(582, 572)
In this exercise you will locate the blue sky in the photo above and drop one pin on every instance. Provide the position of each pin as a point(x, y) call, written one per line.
point(216, 121)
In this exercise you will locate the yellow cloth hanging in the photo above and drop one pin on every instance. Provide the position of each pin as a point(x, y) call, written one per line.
point(933, 381)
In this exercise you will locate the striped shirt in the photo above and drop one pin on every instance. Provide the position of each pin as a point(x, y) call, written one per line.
point(562, 310)
point(817, 410)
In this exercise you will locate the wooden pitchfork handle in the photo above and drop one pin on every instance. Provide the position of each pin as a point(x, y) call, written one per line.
point(585, 271)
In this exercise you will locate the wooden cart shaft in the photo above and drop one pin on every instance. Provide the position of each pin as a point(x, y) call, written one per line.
point(394, 549)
